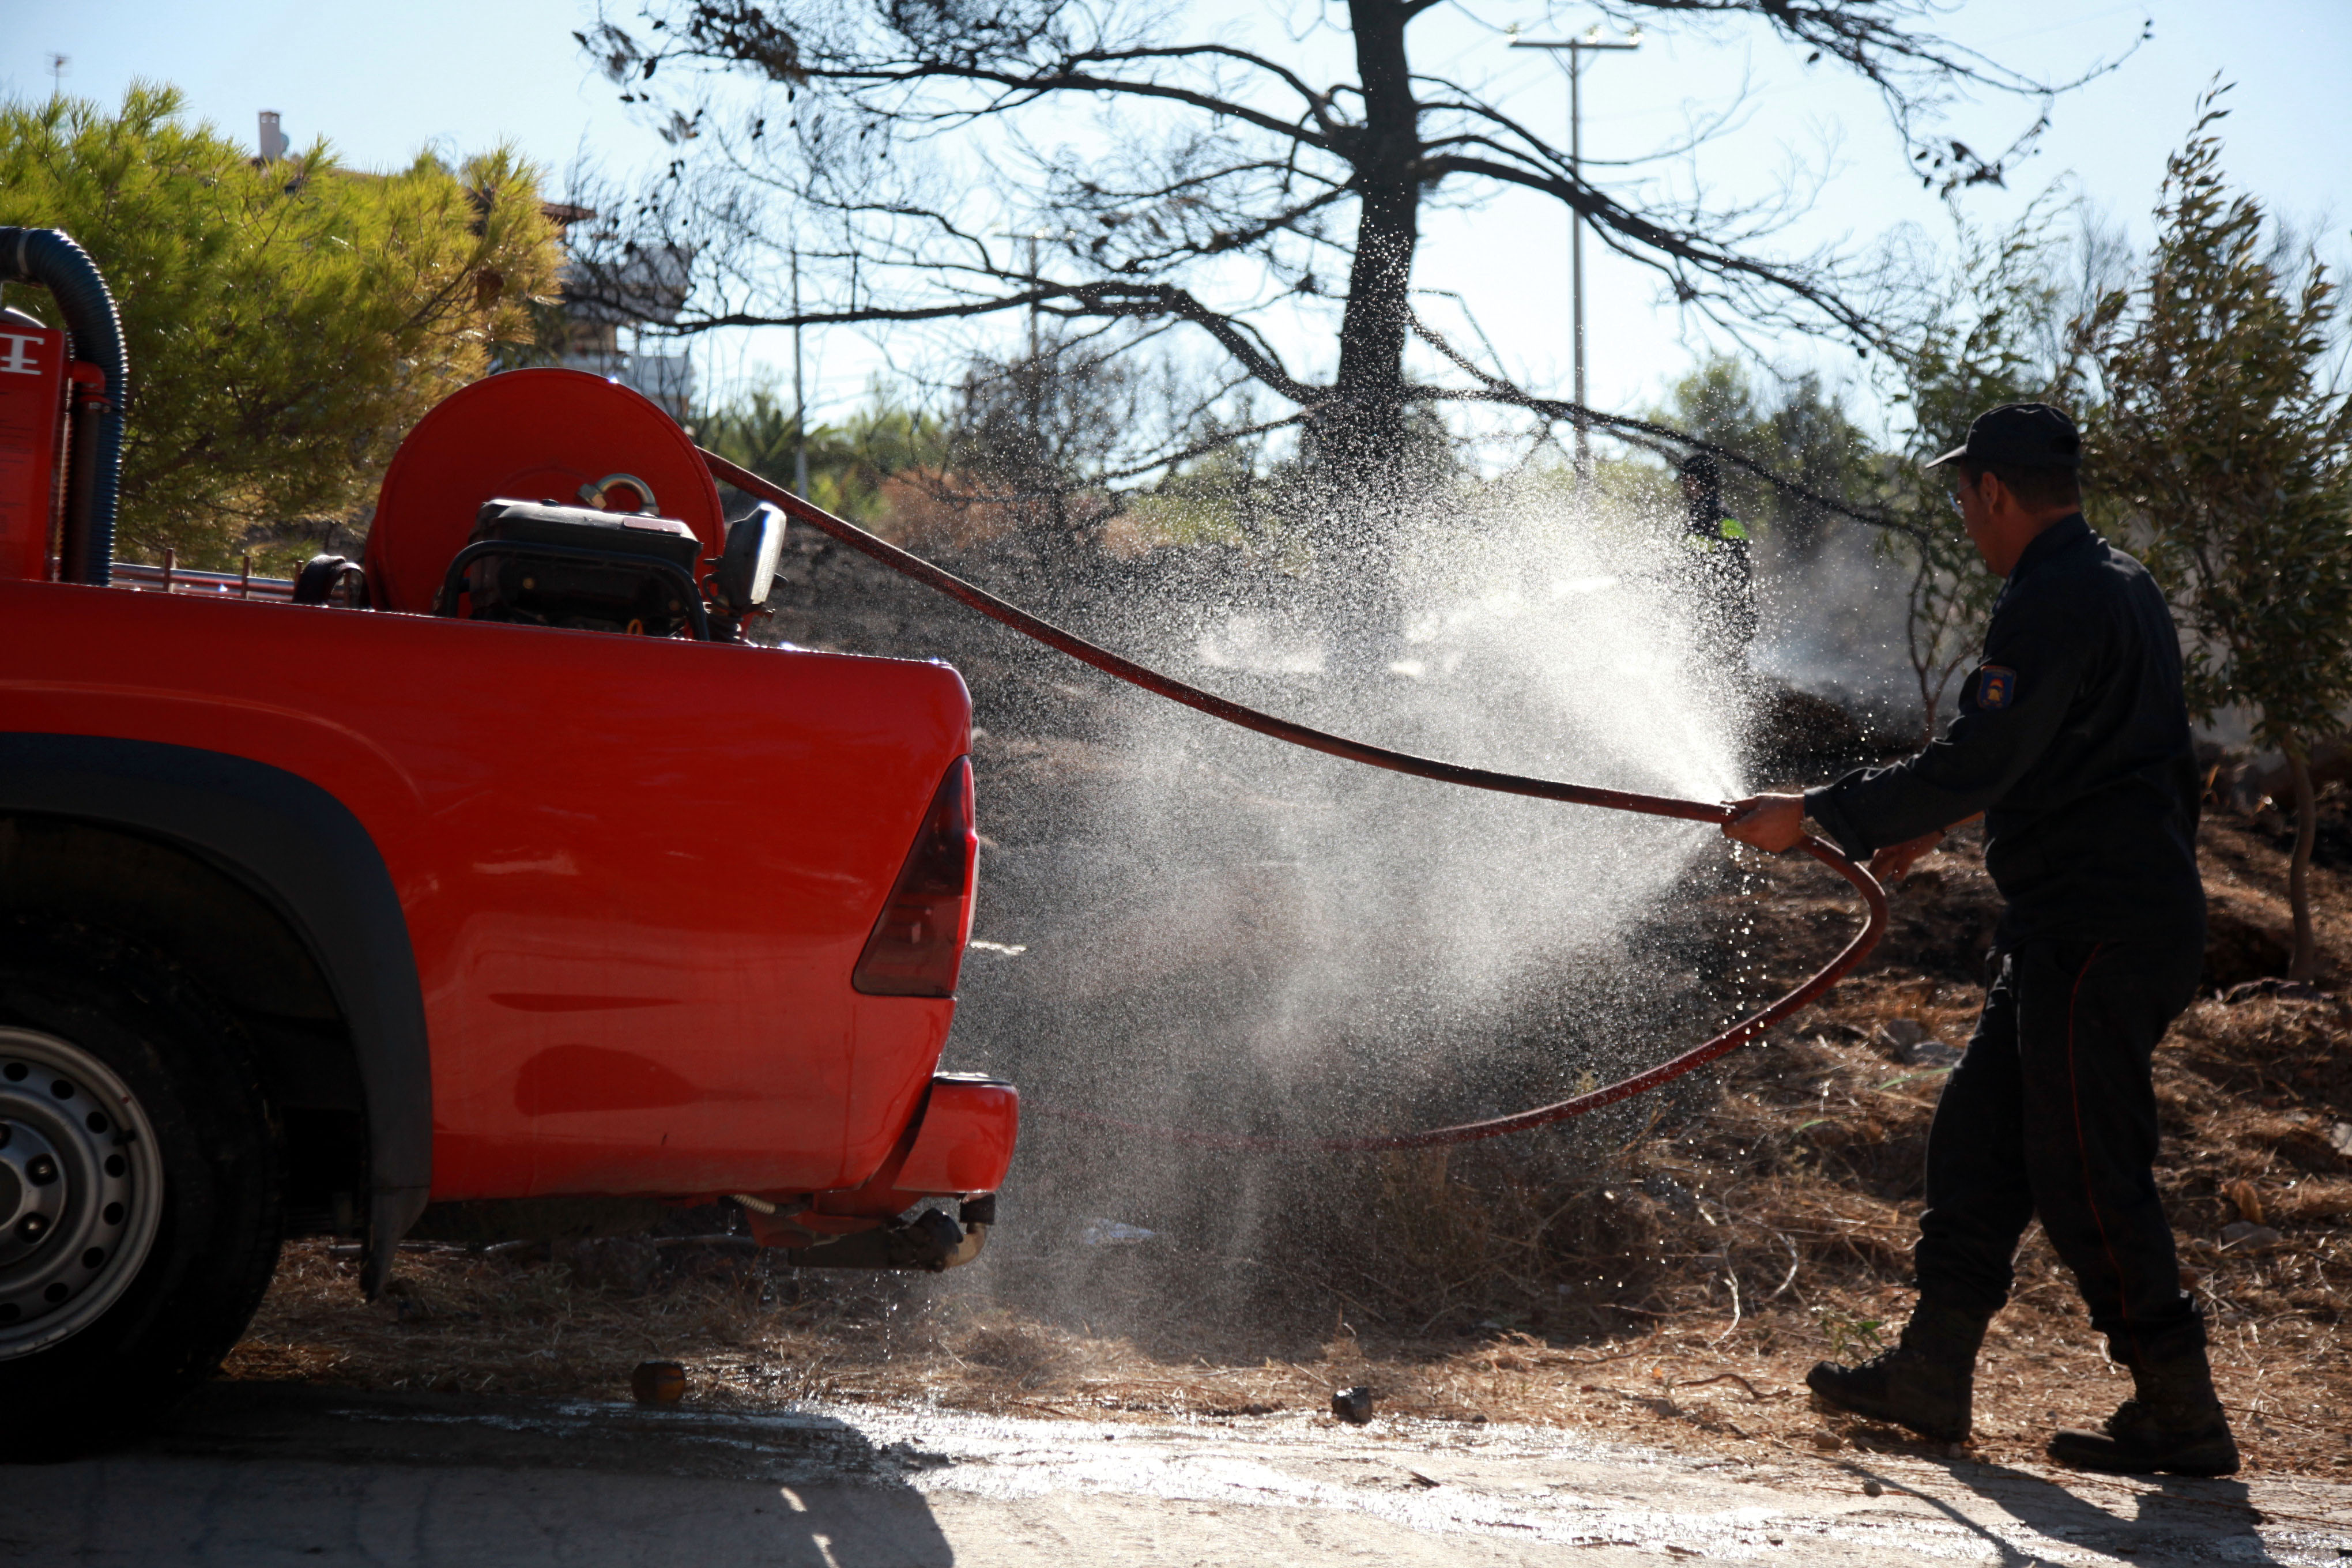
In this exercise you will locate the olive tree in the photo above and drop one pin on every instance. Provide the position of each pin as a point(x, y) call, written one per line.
point(2225, 437)
point(286, 323)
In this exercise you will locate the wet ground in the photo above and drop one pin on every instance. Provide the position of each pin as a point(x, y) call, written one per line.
point(251, 1474)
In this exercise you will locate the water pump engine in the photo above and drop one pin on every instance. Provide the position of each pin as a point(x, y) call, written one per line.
point(551, 566)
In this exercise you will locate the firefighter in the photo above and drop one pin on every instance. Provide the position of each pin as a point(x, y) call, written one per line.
point(1718, 544)
point(2072, 739)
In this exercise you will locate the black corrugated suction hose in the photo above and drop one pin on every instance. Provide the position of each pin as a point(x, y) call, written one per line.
point(49, 258)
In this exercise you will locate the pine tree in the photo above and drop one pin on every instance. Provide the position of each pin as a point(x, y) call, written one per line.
point(286, 322)
point(2225, 441)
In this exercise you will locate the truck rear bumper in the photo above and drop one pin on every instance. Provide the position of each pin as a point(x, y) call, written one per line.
point(965, 1143)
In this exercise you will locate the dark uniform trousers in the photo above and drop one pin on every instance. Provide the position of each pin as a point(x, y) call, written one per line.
point(2051, 1114)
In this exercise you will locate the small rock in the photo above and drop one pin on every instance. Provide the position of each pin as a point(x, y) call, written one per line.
point(658, 1382)
point(2243, 1236)
point(1827, 1441)
point(1899, 1035)
point(1872, 1489)
point(2339, 1138)
point(1353, 1405)
point(1932, 1054)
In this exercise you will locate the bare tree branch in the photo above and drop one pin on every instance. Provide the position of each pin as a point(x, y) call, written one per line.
point(937, 153)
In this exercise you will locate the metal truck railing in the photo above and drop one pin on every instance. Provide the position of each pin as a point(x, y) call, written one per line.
point(172, 578)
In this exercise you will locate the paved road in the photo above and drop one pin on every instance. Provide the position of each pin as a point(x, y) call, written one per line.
point(253, 1475)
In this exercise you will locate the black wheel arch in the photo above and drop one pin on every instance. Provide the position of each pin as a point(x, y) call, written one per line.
point(302, 853)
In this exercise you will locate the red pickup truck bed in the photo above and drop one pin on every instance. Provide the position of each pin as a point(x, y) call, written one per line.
point(635, 874)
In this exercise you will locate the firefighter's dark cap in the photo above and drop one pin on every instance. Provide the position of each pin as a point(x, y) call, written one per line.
point(2021, 436)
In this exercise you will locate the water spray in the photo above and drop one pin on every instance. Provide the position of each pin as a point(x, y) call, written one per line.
point(1160, 685)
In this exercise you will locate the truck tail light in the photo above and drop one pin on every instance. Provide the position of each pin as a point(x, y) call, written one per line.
point(917, 943)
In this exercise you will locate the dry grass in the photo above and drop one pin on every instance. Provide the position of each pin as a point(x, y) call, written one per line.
point(1689, 1378)
point(1670, 1290)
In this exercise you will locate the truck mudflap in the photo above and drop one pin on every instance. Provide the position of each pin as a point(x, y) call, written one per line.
point(959, 1145)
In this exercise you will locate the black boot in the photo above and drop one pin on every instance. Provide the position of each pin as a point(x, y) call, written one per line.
point(1924, 1384)
point(2174, 1425)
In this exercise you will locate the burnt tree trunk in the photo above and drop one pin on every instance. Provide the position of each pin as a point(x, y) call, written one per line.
point(1360, 438)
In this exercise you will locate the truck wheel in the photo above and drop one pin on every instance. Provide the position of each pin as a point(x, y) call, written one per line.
point(139, 1193)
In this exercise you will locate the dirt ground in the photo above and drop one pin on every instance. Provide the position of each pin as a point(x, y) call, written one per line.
point(248, 1473)
point(1671, 1293)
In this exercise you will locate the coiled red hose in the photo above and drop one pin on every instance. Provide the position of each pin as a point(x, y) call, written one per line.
point(1873, 897)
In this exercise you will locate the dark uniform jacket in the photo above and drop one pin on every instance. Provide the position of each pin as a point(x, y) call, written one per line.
point(2073, 739)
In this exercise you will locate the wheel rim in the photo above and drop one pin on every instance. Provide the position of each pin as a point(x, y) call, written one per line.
point(81, 1187)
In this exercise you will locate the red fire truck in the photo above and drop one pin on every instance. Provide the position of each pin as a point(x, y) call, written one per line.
point(488, 884)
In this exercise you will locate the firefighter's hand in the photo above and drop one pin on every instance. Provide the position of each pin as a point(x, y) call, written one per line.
point(1772, 822)
point(1893, 863)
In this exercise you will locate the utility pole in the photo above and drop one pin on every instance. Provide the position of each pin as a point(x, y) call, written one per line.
point(1574, 49)
point(1033, 239)
point(800, 397)
point(1027, 378)
point(1033, 377)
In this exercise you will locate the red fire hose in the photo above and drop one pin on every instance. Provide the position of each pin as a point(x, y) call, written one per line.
point(1216, 707)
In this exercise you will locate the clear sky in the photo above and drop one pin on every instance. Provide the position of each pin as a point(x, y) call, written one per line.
point(382, 80)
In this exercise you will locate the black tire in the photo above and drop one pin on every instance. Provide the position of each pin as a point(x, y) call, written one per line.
point(77, 1007)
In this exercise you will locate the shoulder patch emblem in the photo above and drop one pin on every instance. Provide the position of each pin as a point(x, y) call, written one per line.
point(1996, 687)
